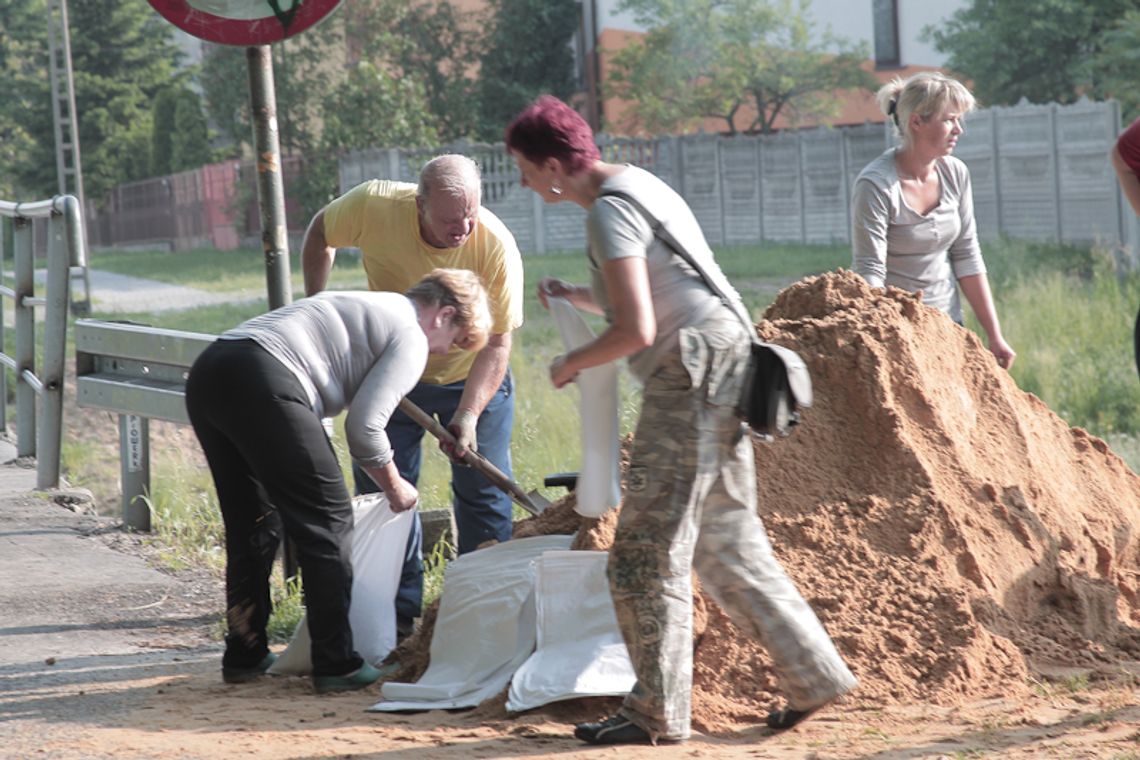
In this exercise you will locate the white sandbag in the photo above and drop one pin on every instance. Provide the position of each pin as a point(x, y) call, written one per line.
point(379, 543)
point(484, 630)
point(579, 650)
point(599, 476)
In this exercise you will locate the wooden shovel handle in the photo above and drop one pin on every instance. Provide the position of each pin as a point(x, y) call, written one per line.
point(473, 458)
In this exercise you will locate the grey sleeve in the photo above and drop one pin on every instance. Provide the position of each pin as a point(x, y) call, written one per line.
point(617, 230)
point(870, 218)
point(966, 252)
point(395, 372)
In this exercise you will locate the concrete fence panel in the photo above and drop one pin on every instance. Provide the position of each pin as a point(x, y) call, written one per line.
point(1039, 172)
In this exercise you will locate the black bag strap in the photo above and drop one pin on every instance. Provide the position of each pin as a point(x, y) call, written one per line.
point(662, 233)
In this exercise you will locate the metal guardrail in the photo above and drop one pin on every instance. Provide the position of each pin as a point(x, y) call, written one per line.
point(65, 250)
point(140, 373)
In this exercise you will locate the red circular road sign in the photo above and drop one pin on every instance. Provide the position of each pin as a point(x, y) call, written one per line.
point(243, 22)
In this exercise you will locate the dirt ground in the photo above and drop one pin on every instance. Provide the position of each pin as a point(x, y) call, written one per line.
point(976, 561)
point(175, 706)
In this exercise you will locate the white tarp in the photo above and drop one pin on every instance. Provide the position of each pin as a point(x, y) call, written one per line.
point(379, 543)
point(484, 630)
point(599, 477)
point(579, 650)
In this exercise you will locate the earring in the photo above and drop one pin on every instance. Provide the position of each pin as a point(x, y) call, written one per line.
point(555, 190)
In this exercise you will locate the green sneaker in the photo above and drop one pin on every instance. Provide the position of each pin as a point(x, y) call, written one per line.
point(245, 675)
point(365, 675)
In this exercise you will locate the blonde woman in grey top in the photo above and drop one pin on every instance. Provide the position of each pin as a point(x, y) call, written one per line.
point(912, 210)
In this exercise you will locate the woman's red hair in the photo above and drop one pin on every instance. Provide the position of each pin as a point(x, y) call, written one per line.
point(548, 128)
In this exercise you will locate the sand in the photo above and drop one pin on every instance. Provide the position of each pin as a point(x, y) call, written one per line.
point(955, 536)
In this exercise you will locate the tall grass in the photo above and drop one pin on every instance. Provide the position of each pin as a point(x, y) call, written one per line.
point(186, 523)
point(1069, 314)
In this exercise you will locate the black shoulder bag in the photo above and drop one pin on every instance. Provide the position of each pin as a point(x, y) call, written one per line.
point(777, 384)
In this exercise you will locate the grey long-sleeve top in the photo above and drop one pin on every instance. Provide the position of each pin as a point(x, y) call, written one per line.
point(356, 350)
point(892, 244)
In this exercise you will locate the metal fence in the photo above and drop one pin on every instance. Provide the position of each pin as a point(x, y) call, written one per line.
point(65, 248)
point(1038, 172)
point(213, 206)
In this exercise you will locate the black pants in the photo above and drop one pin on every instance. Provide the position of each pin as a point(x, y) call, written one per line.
point(273, 466)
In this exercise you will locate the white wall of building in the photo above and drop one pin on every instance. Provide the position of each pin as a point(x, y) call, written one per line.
point(916, 15)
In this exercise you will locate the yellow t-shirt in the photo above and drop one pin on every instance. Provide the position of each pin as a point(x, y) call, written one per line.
point(379, 217)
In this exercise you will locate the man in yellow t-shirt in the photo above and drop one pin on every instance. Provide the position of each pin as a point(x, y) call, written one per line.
point(403, 232)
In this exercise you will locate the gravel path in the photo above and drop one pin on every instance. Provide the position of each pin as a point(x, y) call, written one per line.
point(120, 293)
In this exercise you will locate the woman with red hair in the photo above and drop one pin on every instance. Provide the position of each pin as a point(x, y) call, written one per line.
point(690, 499)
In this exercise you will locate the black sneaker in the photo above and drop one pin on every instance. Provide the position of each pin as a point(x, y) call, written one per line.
point(617, 729)
point(245, 675)
point(786, 718)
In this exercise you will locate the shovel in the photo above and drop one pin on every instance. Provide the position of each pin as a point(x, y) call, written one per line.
point(532, 502)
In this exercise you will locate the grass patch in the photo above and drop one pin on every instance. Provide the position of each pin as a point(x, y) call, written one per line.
point(435, 568)
point(288, 609)
point(1072, 330)
point(222, 271)
point(185, 520)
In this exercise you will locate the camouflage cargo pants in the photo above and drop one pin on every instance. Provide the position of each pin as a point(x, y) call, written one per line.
point(691, 502)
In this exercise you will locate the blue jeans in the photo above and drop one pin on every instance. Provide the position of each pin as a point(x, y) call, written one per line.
point(482, 511)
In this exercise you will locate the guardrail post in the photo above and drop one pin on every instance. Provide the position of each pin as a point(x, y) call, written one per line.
point(5, 243)
point(56, 290)
point(134, 468)
point(25, 339)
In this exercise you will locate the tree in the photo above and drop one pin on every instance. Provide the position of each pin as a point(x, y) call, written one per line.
point(162, 131)
point(190, 147)
point(438, 46)
point(20, 23)
point(527, 54)
point(225, 93)
point(122, 55)
point(430, 43)
point(378, 72)
point(1033, 49)
point(368, 108)
point(746, 62)
point(1115, 69)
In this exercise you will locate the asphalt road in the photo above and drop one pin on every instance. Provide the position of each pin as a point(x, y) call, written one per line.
point(73, 609)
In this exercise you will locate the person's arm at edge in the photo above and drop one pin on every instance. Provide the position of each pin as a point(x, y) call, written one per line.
point(1129, 181)
point(634, 325)
point(317, 256)
point(976, 288)
point(870, 219)
point(486, 375)
point(401, 494)
point(579, 296)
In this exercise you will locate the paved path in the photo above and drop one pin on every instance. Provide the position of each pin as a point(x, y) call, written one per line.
point(120, 293)
point(65, 592)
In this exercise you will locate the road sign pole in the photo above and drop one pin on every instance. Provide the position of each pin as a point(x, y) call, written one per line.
point(270, 187)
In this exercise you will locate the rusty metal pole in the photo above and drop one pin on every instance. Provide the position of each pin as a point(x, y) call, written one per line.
point(271, 203)
point(270, 187)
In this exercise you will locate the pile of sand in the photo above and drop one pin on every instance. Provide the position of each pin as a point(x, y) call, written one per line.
point(953, 534)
